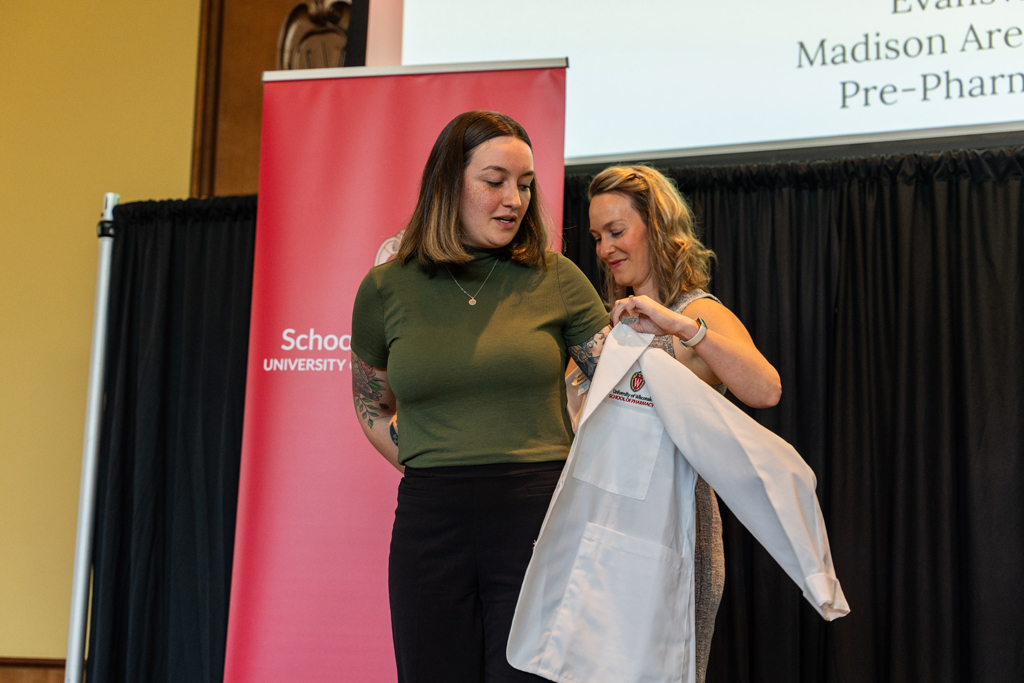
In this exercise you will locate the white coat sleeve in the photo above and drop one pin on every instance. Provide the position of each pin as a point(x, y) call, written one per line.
point(762, 478)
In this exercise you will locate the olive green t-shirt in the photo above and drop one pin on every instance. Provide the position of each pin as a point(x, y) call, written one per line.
point(477, 384)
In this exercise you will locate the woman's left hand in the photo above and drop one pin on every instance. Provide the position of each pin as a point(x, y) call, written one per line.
point(653, 317)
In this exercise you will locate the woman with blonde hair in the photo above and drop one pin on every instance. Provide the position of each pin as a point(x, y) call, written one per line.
point(656, 273)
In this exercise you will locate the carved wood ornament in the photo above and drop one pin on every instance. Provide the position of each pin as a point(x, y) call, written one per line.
point(314, 35)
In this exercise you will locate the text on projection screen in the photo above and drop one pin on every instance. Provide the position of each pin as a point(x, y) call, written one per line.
point(650, 75)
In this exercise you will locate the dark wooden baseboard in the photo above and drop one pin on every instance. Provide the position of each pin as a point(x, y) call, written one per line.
point(28, 670)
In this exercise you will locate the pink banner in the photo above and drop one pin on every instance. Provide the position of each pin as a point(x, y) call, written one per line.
point(340, 167)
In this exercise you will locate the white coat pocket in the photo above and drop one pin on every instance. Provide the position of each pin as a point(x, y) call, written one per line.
point(621, 618)
point(620, 459)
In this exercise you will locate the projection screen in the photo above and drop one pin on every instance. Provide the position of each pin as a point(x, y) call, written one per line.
point(648, 75)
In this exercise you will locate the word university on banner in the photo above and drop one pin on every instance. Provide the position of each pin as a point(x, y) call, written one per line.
point(342, 155)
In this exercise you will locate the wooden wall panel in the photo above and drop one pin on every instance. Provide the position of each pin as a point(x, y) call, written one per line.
point(31, 670)
point(237, 43)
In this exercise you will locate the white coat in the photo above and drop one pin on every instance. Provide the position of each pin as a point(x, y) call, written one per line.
point(608, 594)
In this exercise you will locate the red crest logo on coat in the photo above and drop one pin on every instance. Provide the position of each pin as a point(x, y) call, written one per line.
point(636, 382)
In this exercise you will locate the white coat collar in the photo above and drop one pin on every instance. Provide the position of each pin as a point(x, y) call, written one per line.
point(629, 344)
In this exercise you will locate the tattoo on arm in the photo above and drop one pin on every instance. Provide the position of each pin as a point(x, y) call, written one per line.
point(366, 388)
point(394, 429)
point(584, 355)
point(665, 343)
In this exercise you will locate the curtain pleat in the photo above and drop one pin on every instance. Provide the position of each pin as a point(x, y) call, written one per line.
point(172, 426)
point(929, 487)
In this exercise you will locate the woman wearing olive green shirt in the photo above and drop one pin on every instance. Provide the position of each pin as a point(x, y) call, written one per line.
point(466, 334)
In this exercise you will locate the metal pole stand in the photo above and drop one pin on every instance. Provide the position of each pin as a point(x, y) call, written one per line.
point(73, 667)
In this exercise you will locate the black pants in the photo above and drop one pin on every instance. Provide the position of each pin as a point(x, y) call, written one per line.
point(461, 542)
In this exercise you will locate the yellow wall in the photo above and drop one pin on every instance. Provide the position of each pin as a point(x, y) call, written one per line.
point(94, 96)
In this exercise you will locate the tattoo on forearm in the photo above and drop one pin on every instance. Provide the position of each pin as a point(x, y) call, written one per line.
point(665, 343)
point(584, 354)
point(393, 425)
point(366, 390)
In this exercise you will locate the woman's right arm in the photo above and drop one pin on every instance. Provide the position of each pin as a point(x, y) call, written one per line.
point(375, 408)
point(726, 353)
point(587, 354)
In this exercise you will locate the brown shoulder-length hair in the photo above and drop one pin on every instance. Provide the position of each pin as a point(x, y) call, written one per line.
point(678, 258)
point(434, 233)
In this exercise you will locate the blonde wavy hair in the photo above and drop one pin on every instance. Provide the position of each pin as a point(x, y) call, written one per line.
point(679, 260)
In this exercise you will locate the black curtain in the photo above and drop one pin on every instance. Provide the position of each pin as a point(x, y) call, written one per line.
point(172, 430)
point(888, 293)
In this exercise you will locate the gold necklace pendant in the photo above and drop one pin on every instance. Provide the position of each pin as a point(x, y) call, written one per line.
point(472, 297)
